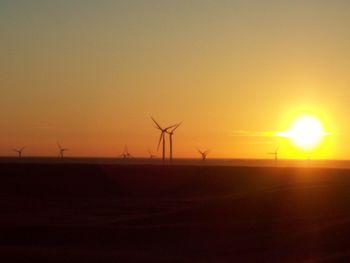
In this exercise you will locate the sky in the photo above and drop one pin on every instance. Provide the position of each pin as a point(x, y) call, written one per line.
point(89, 74)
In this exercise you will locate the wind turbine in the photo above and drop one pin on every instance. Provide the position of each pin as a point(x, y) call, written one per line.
point(126, 154)
point(19, 151)
point(61, 150)
point(151, 156)
point(275, 153)
point(204, 154)
point(162, 136)
point(171, 134)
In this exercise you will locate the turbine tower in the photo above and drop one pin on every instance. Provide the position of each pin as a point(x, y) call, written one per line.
point(19, 151)
point(171, 134)
point(61, 150)
point(275, 153)
point(204, 154)
point(162, 136)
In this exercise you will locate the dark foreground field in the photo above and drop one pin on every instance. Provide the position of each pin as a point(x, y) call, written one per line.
point(148, 213)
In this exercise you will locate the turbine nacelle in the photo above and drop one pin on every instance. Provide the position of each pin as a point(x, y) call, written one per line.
point(204, 154)
point(275, 153)
point(61, 150)
point(174, 127)
point(19, 151)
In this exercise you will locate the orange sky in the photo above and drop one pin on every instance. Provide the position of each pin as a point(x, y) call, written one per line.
point(90, 75)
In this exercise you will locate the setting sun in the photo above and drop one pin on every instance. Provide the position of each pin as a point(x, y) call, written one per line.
point(306, 132)
point(153, 130)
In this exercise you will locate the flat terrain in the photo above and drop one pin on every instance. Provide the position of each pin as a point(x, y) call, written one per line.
point(66, 212)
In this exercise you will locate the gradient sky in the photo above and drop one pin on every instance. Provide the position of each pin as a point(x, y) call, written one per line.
point(91, 73)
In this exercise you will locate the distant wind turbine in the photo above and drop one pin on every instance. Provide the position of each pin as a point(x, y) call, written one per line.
point(203, 154)
point(171, 134)
point(61, 150)
point(126, 154)
point(275, 153)
point(19, 151)
point(162, 136)
point(151, 156)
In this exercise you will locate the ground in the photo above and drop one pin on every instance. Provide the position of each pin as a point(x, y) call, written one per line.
point(67, 212)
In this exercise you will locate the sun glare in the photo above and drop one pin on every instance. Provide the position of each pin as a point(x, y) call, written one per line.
point(306, 132)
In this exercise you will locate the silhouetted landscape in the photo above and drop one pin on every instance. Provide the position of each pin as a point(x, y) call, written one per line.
point(83, 211)
point(202, 131)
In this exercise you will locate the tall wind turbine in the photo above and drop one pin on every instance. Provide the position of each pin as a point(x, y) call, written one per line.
point(204, 154)
point(275, 153)
point(162, 136)
point(61, 150)
point(19, 151)
point(171, 134)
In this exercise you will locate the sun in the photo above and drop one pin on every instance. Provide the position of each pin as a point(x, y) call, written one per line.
point(306, 132)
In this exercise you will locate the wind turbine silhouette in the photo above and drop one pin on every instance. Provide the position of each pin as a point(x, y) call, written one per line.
point(162, 136)
point(171, 134)
point(19, 151)
point(275, 153)
point(126, 154)
point(61, 150)
point(151, 156)
point(204, 154)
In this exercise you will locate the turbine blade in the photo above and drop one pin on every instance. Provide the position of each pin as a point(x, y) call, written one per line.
point(177, 126)
point(160, 139)
point(156, 123)
point(201, 152)
point(172, 126)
